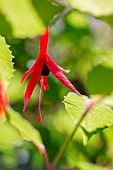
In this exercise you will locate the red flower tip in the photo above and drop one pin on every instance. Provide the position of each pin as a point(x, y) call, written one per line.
point(44, 86)
point(44, 83)
point(24, 109)
point(39, 117)
point(25, 103)
point(58, 73)
point(63, 70)
point(76, 91)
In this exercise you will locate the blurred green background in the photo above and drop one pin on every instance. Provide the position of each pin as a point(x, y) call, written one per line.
point(79, 40)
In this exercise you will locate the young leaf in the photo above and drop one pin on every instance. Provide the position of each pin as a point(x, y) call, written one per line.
point(97, 119)
point(6, 65)
point(96, 8)
point(27, 131)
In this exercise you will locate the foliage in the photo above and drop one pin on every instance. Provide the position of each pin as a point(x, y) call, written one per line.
point(26, 130)
point(6, 65)
point(22, 18)
point(100, 8)
point(92, 123)
point(80, 39)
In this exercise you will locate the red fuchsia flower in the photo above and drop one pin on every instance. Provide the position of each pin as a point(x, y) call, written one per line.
point(4, 102)
point(41, 68)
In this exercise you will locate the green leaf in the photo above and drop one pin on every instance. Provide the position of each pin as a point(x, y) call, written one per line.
point(26, 18)
point(27, 131)
point(6, 65)
point(94, 7)
point(8, 134)
point(100, 80)
point(97, 119)
point(89, 166)
point(22, 17)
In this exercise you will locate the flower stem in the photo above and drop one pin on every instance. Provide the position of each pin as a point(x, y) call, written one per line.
point(63, 148)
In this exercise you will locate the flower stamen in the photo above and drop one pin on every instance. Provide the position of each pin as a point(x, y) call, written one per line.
point(44, 83)
point(39, 103)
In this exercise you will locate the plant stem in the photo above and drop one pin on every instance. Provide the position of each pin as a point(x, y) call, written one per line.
point(43, 152)
point(47, 163)
point(63, 148)
point(89, 105)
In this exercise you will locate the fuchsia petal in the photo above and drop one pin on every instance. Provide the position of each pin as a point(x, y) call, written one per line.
point(39, 102)
point(44, 41)
point(44, 86)
point(58, 68)
point(34, 79)
point(44, 83)
point(58, 74)
point(63, 70)
point(27, 74)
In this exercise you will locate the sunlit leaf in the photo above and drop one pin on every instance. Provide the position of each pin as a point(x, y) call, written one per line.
point(26, 18)
point(96, 8)
point(27, 131)
point(6, 65)
point(98, 118)
point(8, 134)
point(22, 17)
